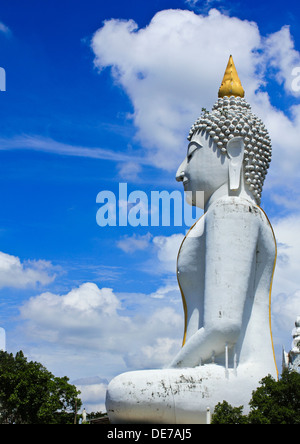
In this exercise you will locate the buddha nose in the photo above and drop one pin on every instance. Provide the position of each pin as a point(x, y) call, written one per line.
point(179, 176)
point(180, 172)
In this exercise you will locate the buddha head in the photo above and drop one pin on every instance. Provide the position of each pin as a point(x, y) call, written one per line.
point(227, 145)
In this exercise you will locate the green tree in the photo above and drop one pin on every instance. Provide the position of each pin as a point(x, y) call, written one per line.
point(274, 402)
point(30, 394)
point(277, 402)
point(94, 415)
point(224, 413)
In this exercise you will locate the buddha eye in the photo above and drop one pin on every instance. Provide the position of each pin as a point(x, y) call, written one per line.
point(193, 146)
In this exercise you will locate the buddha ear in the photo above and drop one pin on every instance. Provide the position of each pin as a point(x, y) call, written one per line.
point(235, 151)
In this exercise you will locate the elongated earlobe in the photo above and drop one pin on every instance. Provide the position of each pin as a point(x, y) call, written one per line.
point(235, 151)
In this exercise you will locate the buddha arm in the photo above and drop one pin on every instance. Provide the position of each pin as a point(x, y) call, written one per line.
point(231, 233)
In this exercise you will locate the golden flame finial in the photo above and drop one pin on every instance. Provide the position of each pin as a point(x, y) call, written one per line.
point(231, 84)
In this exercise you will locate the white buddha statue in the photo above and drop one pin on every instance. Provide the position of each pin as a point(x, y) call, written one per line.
point(225, 269)
point(291, 360)
point(296, 337)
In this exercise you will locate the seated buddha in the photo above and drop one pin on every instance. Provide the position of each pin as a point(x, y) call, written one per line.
point(225, 269)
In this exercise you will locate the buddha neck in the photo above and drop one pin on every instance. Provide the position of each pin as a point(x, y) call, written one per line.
point(223, 191)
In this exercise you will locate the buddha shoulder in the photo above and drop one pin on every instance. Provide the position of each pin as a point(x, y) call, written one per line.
point(231, 207)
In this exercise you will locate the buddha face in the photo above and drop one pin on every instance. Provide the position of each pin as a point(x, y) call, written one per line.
point(231, 117)
point(204, 169)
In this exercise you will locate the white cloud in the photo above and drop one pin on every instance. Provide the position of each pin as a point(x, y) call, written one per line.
point(281, 55)
point(81, 316)
point(157, 355)
point(92, 396)
point(48, 145)
point(5, 29)
point(94, 318)
point(286, 286)
point(172, 68)
point(287, 278)
point(129, 171)
point(14, 273)
point(202, 3)
point(170, 291)
point(283, 175)
point(130, 244)
point(191, 3)
point(167, 251)
point(285, 309)
point(161, 251)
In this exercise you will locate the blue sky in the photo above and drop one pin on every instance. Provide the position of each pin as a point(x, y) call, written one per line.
point(101, 93)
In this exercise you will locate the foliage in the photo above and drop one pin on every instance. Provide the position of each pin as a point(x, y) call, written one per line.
point(94, 415)
point(274, 402)
point(30, 394)
point(277, 402)
point(224, 413)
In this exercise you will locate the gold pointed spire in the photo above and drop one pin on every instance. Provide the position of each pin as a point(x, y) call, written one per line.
point(231, 84)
